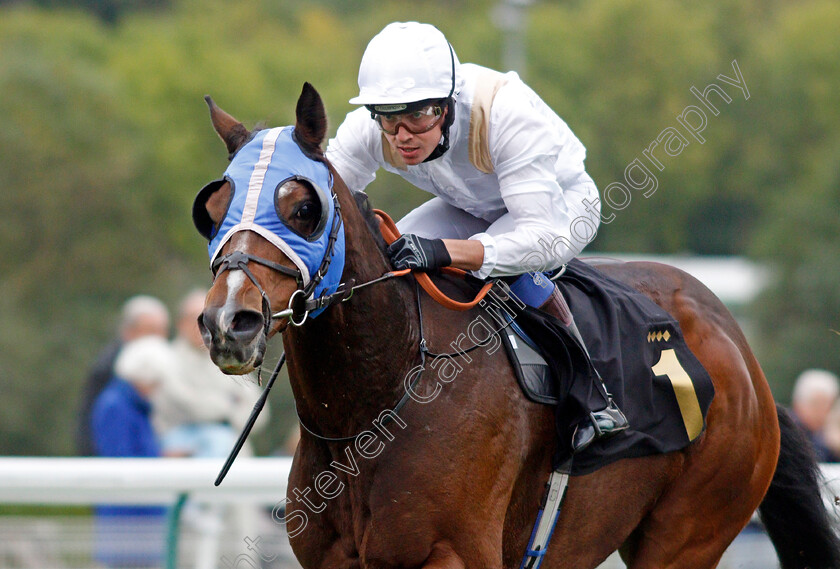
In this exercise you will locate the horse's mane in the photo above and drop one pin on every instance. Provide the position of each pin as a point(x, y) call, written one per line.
point(363, 203)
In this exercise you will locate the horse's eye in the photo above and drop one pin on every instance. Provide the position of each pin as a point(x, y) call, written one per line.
point(298, 205)
point(307, 211)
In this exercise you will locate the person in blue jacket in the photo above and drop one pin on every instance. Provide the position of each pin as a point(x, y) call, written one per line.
point(141, 315)
point(130, 535)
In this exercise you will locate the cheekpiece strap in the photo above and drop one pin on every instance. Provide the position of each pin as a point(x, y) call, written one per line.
point(328, 254)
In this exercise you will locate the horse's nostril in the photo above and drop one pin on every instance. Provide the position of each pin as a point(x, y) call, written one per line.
point(204, 328)
point(246, 322)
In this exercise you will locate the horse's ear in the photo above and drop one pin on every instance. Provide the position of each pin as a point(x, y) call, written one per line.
point(311, 126)
point(229, 129)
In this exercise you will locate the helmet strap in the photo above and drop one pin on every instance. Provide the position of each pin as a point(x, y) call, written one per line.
point(441, 148)
point(450, 115)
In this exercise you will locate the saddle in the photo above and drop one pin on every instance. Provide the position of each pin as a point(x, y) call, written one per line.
point(636, 347)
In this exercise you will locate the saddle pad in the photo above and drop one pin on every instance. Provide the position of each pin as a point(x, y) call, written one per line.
point(532, 371)
point(639, 351)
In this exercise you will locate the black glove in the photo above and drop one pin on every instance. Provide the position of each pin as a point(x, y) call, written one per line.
point(413, 252)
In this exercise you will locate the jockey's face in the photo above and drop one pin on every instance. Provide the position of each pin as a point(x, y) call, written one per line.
point(415, 148)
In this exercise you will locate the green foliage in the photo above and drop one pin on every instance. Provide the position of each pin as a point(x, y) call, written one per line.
point(106, 139)
point(108, 11)
point(795, 160)
point(620, 73)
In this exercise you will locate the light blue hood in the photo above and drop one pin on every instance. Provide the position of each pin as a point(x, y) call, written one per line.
point(256, 172)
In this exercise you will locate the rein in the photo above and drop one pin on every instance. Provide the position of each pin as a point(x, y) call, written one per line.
point(423, 349)
point(391, 233)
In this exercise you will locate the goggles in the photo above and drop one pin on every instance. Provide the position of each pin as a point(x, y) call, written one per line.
point(416, 122)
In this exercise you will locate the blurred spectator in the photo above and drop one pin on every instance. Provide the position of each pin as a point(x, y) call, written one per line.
point(141, 316)
point(831, 433)
point(127, 535)
point(814, 393)
point(199, 410)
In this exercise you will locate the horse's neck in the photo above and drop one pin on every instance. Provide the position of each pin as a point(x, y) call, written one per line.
point(348, 364)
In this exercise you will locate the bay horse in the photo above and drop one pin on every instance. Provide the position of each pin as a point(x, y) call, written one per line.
point(454, 478)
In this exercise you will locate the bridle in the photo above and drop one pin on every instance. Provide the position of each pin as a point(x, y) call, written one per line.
point(300, 303)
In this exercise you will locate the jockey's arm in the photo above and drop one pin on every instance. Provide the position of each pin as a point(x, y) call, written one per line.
point(467, 254)
point(546, 225)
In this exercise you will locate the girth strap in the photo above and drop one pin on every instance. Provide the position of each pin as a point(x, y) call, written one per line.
point(547, 516)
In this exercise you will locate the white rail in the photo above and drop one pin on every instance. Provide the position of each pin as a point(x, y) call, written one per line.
point(85, 481)
point(161, 480)
point(48, 481)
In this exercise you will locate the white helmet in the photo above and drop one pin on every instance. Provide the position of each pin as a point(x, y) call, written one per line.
point(405, 63)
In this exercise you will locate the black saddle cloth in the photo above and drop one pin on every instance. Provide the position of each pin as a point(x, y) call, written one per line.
point(638, 350)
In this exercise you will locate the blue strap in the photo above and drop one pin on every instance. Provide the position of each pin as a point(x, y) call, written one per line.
point(555, 492)
point(537, 553)
point(531, 552)
point(532, 288)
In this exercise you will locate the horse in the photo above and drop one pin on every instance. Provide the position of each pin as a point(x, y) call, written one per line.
point(453, 476)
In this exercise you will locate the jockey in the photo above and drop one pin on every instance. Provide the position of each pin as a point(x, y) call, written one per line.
point(512, 194)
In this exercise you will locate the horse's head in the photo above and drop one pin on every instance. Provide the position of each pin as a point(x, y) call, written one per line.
point(275, 232)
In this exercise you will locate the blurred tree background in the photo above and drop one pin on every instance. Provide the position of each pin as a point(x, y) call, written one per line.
point(105, 139)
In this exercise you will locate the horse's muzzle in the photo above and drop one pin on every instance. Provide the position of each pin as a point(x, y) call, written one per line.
point(236, 340)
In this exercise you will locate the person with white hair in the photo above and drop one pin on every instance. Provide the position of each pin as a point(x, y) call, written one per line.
point(814, 394)
point(121, 415)
point(141, 315)
point(199, 410)
point(831, 433)
point(121, 427)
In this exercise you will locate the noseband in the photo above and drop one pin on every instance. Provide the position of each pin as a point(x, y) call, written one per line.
point(300, 303)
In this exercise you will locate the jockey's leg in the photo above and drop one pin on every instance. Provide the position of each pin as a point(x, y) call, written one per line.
point(605, 418)
point(436, 219)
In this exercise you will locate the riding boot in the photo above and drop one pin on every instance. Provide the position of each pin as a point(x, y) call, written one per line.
point(602, 422)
